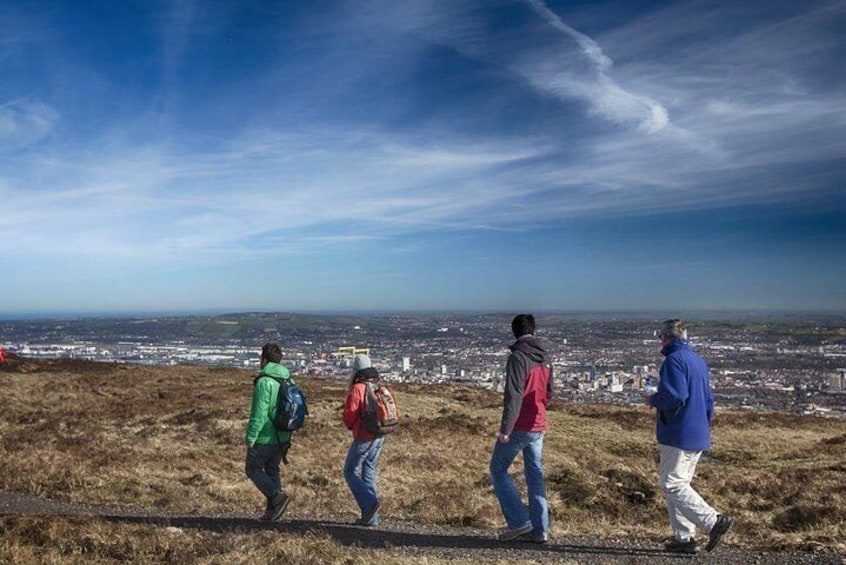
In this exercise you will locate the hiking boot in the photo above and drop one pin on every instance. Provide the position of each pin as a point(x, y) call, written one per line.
point(683, 546)
point(278, 506)
point(720, 528)
point(509, 535)
point(367, 517)
point(268, 511)
point(534, 537)
point(372, 523)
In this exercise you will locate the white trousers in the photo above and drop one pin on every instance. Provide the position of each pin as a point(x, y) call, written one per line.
point(687, 509)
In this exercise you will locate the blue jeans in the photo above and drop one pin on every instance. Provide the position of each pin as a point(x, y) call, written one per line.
point(531, 444)
point(262, 468)
point(360, 472)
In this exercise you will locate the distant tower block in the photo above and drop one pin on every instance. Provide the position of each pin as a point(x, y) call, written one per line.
point(406, 364)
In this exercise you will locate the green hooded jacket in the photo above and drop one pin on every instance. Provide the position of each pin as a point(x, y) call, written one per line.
point(260, 429)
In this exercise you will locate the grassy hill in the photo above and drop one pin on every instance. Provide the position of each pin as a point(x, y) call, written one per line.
point(170, 440)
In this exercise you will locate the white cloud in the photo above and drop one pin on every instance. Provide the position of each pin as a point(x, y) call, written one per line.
point(288, 189)
point(25, 122)
point(551, 56)
point(606, 98)
point(156, 203)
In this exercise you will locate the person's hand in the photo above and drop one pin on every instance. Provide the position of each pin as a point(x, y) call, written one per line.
point(646, 400)
point(284, 448)
point(503, 438)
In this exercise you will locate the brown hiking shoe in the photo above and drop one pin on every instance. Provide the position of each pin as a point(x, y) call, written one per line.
point(278, 506)
point(508, 535)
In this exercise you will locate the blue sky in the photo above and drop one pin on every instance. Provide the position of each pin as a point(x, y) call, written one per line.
point(431, 154)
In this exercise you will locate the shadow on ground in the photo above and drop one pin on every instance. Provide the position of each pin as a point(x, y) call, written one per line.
point(392, 535)
point(348, 534)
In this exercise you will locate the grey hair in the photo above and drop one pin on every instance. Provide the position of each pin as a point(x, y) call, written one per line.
point(673, 329)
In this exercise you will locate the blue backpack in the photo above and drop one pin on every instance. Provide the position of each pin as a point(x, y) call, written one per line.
point(291, 406)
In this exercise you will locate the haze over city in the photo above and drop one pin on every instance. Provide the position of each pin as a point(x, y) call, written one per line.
point(422, 155)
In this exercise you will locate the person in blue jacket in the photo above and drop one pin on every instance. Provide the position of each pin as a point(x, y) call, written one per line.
point(685, 407)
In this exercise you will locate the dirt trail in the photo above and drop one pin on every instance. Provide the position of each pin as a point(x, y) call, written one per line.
point(416, 539)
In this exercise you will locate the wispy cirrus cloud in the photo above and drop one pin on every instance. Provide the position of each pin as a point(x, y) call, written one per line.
point(605, 97)
point(158, 202)
point(548, 54)
point(166, 163)
point(25, 122)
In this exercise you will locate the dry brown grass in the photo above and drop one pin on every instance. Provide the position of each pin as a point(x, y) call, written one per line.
point(170, 439)
point(92, 540)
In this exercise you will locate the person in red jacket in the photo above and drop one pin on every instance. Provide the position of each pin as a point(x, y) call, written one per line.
point(528, 388)
point(363, 454)
point(2, 358)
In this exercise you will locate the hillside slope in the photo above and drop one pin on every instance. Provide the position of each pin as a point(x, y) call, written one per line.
point(168, 442)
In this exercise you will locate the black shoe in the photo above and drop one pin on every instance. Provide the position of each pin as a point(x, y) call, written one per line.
point(268, 511)
point(686, 546)
point(279, 505)
point(720, 528)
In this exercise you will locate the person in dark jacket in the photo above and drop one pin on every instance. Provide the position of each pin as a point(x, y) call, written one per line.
point(363, 454)
point(685, 409)
point(528, 388)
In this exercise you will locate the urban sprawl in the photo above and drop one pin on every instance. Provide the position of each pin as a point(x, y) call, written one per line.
point(795, 365)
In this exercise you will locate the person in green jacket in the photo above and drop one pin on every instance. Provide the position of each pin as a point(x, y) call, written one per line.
point(266, 447)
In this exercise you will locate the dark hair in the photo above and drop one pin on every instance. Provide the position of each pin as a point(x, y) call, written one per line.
point(271, 352)
point(673, 329)
point(523, 324)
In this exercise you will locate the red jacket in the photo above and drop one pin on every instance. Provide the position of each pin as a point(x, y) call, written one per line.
point(528, 388)
point(354, 407)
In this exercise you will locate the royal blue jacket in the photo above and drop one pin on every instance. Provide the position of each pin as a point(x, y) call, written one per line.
point(684, 399)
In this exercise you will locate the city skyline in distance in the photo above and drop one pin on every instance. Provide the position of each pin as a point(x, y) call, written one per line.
point(423, 156)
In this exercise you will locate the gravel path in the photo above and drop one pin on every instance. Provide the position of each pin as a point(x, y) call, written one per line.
point(415, 539)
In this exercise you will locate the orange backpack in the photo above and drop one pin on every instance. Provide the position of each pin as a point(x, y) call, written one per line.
point(381, 413)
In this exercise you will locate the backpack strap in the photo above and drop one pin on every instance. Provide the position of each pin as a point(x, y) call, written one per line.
point(370, 401)
point(277, 379)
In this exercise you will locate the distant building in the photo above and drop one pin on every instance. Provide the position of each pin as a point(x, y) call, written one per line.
point(406, 364)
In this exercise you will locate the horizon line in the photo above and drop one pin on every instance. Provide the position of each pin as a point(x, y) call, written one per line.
point(220, 312)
